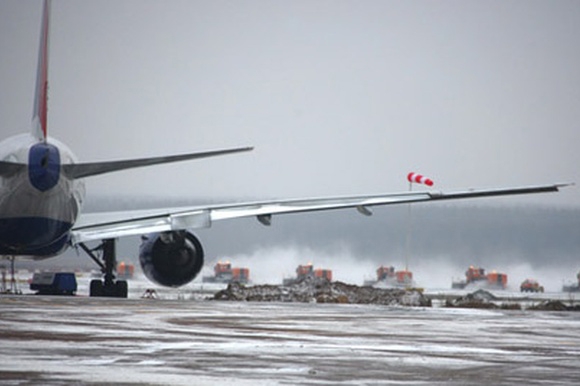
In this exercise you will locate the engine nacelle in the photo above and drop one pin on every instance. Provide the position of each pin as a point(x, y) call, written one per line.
point(172, 258)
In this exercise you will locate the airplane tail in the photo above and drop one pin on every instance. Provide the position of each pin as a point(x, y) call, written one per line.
point(39, 125)
point(39, 113)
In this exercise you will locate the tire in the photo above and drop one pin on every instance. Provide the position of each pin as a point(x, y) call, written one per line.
point(96, 288)
point(122, 289)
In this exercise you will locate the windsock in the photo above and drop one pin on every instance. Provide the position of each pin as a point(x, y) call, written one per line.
point(419, 179)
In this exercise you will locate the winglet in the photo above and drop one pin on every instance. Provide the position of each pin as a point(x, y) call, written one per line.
point(39, 114)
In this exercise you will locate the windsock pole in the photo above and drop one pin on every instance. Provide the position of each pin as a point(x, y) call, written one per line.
point(419, 179)
point(409, 230)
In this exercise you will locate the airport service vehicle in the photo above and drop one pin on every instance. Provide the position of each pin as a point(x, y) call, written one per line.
point(125, 270)
point(305, 271)
point(387, 275)
point(531, 285)
point(54, 283)
point(225, 273)
point(476, 276)
point(404, 278)
point(42, 194)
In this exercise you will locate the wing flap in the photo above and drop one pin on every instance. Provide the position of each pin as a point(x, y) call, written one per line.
point(120, 224)
point(112, 225)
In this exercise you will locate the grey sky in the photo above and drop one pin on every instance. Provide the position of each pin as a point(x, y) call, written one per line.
point(338, 97)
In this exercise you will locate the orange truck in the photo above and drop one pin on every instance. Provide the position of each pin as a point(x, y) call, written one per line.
point(477, 276)
point(531, 285)
point(304, 271)
point(125, 271)
point(225, 273)
point(323, 273)
point(387, 275)
point(404, 277)
point(497, 280)
point(241, 275)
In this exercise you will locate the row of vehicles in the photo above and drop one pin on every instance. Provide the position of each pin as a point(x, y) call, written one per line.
point(388, 276)
point(224, 272)
point(474, 277)
point(477, 277)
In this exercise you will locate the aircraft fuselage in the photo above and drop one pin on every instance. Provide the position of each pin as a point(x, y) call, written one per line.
point(38, 203)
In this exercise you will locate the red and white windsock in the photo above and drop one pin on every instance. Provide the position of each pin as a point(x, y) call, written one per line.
point(419, 179)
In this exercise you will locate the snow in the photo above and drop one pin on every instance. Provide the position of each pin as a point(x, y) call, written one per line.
point(54, 340)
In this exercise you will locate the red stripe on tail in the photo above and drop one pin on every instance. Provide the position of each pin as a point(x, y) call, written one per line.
point(40, 112)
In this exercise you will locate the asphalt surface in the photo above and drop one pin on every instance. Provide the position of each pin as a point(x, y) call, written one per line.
point(80, 340)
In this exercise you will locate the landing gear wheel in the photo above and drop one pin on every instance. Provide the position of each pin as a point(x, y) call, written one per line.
point(96, 288)
point(118, 289)
point(121, 289)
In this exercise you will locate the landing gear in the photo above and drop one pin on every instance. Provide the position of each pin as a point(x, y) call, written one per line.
point(118, 289)
point(13, 288)
point(108, 287)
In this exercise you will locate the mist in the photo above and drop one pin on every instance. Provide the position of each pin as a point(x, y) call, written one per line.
point(523, 242)
point(272, 265)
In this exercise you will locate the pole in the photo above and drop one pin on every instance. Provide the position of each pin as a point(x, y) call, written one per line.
point(409, 229)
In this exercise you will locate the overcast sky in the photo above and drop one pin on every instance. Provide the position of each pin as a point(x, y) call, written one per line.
point(338, 97)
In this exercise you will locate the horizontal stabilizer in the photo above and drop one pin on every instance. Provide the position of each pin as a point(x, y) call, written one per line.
point(8, 169)
point(95, 168)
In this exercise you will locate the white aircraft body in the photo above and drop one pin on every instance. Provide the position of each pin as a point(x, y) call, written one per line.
point(42, 193)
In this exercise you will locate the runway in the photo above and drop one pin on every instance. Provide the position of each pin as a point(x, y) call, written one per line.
point(79, 340)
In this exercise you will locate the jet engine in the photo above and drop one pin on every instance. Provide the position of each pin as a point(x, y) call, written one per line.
point(171, 258)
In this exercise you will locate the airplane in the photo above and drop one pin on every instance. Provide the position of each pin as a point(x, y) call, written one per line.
point(42, 193)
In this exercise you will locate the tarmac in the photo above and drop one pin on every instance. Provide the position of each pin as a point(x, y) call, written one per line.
point(97, 341)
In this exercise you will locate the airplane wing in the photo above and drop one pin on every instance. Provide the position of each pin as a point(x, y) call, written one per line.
point(107, 225)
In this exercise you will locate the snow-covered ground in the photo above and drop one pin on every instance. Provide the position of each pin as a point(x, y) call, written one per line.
point(80, 340)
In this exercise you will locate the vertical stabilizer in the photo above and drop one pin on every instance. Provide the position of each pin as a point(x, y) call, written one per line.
point(39, 115)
